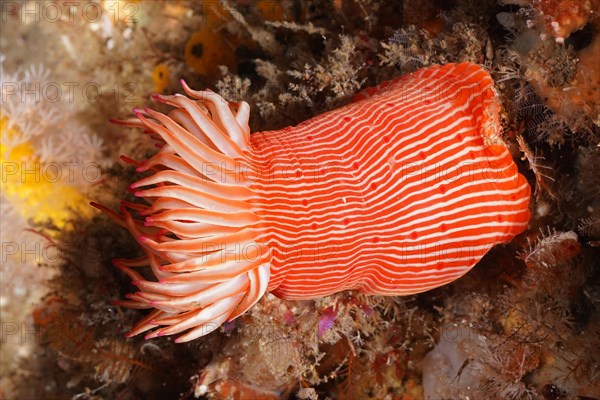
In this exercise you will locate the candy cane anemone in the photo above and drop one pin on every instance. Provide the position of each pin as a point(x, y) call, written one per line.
point(399, 192)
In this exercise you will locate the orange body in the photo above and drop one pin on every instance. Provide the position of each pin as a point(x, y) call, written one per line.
point(394, 194)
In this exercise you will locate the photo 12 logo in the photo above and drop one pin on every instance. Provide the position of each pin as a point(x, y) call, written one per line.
point(68, 11)
point(68, 172)
point(68, 92)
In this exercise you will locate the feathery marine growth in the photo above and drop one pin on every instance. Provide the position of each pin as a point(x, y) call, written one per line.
point(399, 192)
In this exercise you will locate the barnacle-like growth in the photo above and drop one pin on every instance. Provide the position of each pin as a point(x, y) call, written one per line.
point(201, 237)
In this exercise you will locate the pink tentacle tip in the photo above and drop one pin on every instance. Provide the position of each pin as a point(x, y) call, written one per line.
point(229, 326)
point(151, 335)
point(144, 239)
point(135, 282)
point(119, 266)
point(163, 232)
point(129, 334)
point(122, 268)
point(129, 160)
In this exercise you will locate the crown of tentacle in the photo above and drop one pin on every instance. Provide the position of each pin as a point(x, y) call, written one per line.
point(196, 223)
